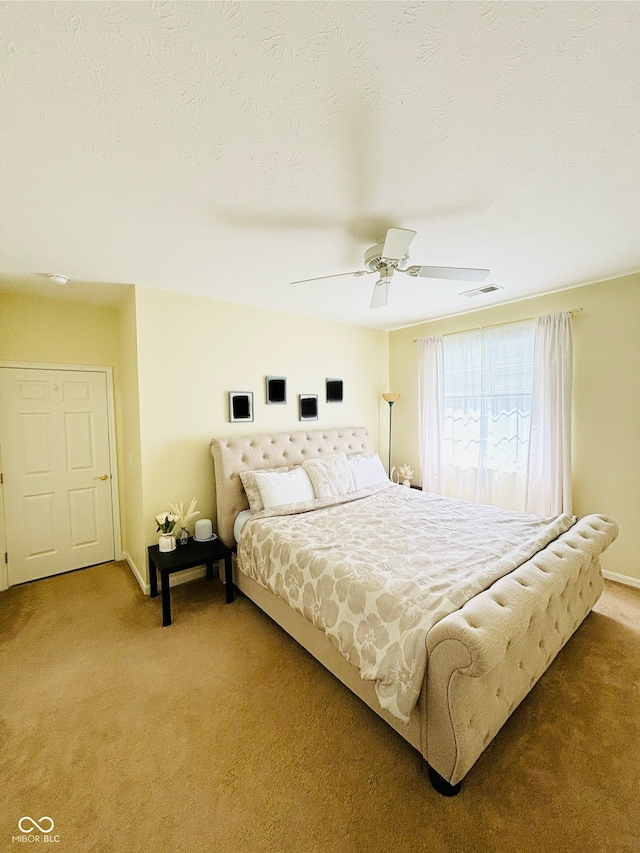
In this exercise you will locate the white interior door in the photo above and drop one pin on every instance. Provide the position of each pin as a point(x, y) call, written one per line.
point(54, 439)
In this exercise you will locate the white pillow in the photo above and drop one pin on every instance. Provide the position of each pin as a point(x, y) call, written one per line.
point(288, 487)
point(331, 475)
point(367, 471)
point(251, 487)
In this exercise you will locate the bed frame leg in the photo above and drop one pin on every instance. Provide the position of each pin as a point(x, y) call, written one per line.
point(441, 785)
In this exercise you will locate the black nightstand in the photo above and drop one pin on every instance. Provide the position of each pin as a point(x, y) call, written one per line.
point(186, 557)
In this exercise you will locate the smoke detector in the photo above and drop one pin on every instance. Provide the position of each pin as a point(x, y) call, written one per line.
point(58, 279)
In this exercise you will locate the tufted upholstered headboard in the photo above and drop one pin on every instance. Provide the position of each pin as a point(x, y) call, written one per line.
point(233, 454)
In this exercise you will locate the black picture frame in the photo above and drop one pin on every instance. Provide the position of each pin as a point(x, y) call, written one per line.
point(276, 390)
point(335, 390)
point(240, 406)
point(308, 407)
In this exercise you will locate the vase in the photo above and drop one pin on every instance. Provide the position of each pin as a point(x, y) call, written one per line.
point(183, 537)
point(167, 542)
point(406, 482)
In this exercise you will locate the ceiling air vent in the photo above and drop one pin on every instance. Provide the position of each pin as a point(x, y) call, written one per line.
point(488, 288)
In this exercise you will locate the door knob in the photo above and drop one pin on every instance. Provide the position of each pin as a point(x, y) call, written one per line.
point(102, 477)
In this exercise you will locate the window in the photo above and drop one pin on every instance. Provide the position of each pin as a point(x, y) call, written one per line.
point(487, 387)
point(494, 412)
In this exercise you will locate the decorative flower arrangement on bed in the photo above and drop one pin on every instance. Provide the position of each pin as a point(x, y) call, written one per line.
point(376, 580)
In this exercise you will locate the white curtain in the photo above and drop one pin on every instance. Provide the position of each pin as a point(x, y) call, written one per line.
point(430, 413)
point(487, 399)
point(549, 463)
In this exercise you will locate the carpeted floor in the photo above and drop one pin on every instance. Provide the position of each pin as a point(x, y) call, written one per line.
point(220, 734)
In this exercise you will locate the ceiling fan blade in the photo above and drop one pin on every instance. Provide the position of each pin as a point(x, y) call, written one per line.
point(380, 295)
point(455, 273)
point(337, 275)
point(397, 243)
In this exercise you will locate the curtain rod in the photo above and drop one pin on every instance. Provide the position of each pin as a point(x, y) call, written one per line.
point(572, 312)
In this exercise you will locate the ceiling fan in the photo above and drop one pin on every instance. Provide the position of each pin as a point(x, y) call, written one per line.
point(391, 255)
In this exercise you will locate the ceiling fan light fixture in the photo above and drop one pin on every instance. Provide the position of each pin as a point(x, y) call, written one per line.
point(375, 260)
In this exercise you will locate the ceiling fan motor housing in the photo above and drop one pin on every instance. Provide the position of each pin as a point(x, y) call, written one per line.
point(374, 260)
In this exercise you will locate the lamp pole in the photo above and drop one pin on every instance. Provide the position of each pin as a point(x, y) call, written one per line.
point(391, 399)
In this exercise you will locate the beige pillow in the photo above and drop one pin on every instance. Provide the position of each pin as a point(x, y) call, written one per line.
point(251, 486)
point(330, 475)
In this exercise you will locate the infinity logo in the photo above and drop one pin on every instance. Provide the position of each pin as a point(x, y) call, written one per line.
point(32, 824)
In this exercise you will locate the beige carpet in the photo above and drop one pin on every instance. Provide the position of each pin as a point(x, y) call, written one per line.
point(220, 734)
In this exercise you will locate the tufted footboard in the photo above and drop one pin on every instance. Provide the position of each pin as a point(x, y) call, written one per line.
point(486, 657)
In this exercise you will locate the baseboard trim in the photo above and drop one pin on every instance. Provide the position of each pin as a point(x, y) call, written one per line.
point(187, 575)
point(625, 579)
point(144, 586)
point(174, 580)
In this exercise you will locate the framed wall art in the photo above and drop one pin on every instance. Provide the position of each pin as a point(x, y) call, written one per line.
point(240, 406)
point(276, 390)
point(335, 390)
point(308, 406)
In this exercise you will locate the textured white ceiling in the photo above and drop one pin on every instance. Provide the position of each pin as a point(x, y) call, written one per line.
point(226, 149)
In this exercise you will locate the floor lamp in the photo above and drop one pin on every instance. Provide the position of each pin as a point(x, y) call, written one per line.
point(391, 399)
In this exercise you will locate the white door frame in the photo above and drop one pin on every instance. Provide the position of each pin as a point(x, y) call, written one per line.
point(115, 502)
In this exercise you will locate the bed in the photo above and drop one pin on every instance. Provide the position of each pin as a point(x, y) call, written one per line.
point(453, 662)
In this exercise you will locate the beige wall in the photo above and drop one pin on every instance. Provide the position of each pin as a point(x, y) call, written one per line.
point(606, 395)
point(192, 351)
point(57, 331)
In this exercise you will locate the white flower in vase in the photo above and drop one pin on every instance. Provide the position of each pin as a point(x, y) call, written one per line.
point(166, 521)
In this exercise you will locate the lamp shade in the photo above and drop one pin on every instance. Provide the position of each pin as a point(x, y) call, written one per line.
point(391, 398)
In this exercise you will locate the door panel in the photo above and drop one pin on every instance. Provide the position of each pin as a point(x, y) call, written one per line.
point(84, 517)
point(54, 437)
point(79, 440)
point(40, 518)
point(33, 432)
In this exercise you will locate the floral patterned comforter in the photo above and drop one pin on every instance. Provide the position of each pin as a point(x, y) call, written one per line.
point(375, 570)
